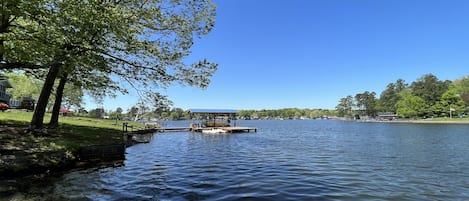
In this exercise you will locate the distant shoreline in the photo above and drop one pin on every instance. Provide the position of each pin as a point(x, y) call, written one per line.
point(439, 121)
point(420, 121)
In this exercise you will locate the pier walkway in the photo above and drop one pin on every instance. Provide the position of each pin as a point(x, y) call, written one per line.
point(235, 129)
point(231, 129)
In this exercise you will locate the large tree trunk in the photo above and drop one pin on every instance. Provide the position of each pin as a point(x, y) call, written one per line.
point(54, 120)
point(38, 116)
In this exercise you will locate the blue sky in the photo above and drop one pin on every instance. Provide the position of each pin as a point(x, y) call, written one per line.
point(311, 53)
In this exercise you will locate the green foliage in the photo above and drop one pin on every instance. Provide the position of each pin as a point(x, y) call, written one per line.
point(429, 88)
point(345, 106)
point(116, 114)
point(411, 106)
point(450, 100)
point(73, 96)
point(132, 112)
point(178, 114)
point(159, 103)
point(144, 42)
point(426, 97)
point(462, 88)
point(119, 110)
point(286, 113)
point(96, 113)
point(22, 24)
point(391, 95)
point(23, 85)
point(366, 102)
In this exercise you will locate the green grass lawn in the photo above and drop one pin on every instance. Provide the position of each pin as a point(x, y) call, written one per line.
point(72, 132)
point(449, 119)
point(446, 119)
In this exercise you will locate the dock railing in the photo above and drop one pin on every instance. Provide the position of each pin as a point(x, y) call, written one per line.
point(126, 126)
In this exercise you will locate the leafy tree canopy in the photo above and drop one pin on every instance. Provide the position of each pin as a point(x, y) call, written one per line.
point(23, 86)
point(391, 95)
point(429, 88)
point(462, 88)
point(411, 106)
point(345, 106)
point(366, 102)
point(144, 42)
point(426, 97)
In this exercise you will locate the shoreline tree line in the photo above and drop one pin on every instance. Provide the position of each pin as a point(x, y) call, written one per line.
point(425, 97)
point(28, 86)
point(181, 114)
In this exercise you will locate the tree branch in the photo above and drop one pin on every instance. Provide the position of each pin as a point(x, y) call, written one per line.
point(156, 68)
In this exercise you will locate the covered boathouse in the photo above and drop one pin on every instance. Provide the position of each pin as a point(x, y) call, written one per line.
point(216, 121)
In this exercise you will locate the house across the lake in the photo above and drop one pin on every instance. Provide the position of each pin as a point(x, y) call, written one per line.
point(4, 84)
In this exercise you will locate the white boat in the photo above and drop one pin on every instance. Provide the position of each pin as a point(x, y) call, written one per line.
point(214, 131)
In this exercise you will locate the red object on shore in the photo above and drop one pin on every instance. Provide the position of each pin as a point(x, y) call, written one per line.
point(4, 106)
point(64, 111)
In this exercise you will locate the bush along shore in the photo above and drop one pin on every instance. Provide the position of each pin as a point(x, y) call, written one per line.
point(76, 142)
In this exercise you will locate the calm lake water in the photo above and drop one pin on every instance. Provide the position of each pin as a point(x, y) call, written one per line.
point(287, 160)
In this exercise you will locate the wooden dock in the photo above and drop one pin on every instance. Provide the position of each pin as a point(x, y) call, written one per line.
point(173, 129)
point(235, 129)
point(228, 129)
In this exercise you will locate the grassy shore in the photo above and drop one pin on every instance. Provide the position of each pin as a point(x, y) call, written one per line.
point(442, 120)
point(439, 120)
point(27, 156)
point(72, 133)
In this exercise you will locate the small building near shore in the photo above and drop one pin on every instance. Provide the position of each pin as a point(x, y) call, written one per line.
point(4, 84)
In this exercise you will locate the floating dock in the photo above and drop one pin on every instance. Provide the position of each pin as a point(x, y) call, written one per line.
point(235, 129)
point(214, 121)
point(174, 129)
point(217, 121)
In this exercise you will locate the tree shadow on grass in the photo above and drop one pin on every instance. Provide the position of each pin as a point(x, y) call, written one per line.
point(67, 136)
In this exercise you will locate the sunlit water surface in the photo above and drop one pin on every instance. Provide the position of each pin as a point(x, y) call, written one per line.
point(287, 160)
